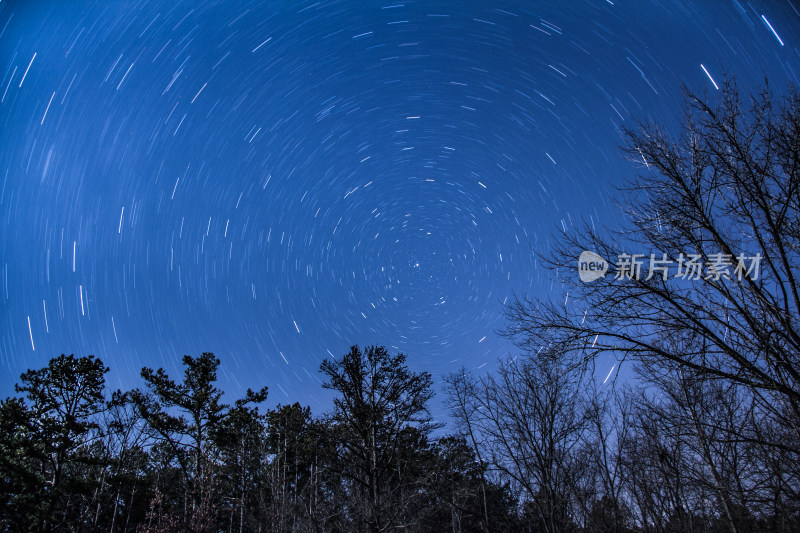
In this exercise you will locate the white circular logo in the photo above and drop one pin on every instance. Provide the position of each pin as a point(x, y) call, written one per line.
point(591, 266)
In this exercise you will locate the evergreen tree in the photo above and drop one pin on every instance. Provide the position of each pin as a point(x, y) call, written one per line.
point(47, 442)
point(187, 418)
point(378, 400)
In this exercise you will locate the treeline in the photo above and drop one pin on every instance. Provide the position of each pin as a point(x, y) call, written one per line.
point(538, 447)
point(173, 456)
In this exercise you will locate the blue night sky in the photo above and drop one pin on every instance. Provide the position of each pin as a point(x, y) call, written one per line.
point(277, 181)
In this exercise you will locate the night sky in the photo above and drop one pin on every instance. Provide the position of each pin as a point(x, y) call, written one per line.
point(277, 181)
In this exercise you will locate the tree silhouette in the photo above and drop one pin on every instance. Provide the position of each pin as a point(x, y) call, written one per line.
point(48, 438)
point(379, 399)
point(719, 204)
point(187, 418)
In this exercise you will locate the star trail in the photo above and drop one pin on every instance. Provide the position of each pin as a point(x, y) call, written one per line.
point(277, 181)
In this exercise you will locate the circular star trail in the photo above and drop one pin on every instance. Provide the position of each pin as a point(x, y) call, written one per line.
point(276, 181)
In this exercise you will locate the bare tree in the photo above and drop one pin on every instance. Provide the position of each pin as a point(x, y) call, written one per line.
point(462, 402)
point(719, 206)
point(601, 483)
point(528, 420)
